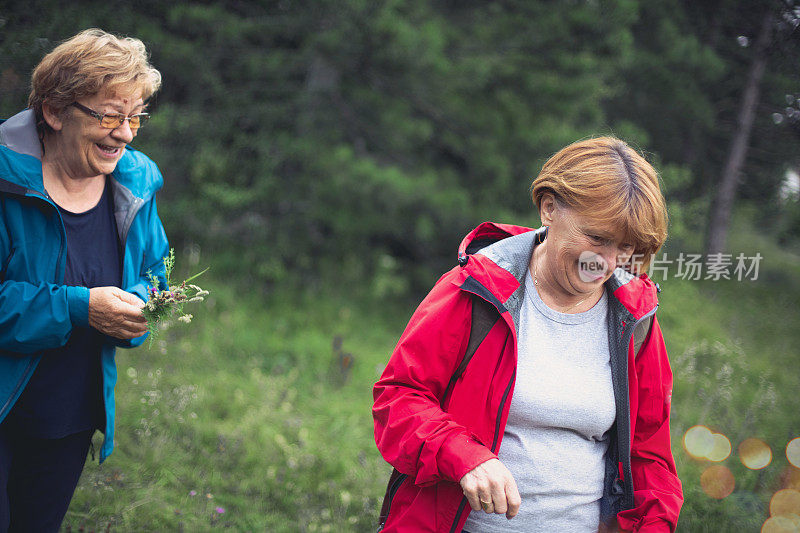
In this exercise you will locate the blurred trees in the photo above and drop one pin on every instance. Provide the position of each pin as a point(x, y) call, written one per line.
point(774, 30)
point(686, 90)
point(370, 136)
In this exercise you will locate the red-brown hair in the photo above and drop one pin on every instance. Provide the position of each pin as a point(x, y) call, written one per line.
point(608, 181)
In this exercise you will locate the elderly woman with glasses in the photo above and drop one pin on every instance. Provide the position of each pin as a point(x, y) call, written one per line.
point(78, 233)
point(531, 390)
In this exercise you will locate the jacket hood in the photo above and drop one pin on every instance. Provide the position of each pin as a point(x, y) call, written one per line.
point(486, 234)
point(21, 161)
point(497, 256)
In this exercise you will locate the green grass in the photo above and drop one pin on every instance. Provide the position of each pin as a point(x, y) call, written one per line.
point(252, 406)
point(735, 353)
point(251, 410)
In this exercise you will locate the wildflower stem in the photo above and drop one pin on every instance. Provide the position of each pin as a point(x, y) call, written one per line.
point(196, 276)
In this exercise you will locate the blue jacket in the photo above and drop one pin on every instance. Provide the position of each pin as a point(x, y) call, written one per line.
point(38, 312)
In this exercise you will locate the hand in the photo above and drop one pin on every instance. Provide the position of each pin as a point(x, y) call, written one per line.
point(491, 487)
point(116, 313)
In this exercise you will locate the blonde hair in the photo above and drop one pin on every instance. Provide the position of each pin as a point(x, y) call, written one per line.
point(606, 180)
point(86, 64)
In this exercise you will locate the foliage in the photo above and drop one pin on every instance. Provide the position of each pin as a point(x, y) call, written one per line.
point(299, 136)
point(732, 346)
point(163, 304)
point(262, 426)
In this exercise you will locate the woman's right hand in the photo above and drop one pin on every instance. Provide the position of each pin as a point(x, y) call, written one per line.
point(491, 487)
point(116, 313)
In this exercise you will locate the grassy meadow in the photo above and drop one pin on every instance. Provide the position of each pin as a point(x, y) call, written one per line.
point(248, 419)
point(256, 417)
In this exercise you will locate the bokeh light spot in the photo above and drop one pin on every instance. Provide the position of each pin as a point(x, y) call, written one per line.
point(698, 441)
point(785, 502)
point(790, 478)
point(721, 448)
point(717, 482)
point(754, 453)
point(781, 524)
point(793, 452)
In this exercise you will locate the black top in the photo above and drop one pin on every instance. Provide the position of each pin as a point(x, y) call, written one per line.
point(64, 395)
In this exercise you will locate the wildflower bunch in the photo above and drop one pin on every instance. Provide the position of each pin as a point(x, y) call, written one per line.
point(164, 304)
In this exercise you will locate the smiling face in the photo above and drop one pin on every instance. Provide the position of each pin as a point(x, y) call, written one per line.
point(580, 254)
point(82, 147)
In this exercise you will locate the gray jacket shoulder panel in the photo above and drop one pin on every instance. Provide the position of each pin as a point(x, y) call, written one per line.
point(19, 134)
point(513, 254)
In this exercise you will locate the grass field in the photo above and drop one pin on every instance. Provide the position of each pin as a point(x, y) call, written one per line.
point(246, 419)
point(255, 418)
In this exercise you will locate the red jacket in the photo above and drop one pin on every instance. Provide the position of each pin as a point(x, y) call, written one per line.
point(434, 441)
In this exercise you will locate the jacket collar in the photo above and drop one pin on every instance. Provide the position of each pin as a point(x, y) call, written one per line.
point(19, 134)
point(502, 264)
point(22, 164)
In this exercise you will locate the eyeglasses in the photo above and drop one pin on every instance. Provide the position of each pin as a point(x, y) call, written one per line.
point(113, 121)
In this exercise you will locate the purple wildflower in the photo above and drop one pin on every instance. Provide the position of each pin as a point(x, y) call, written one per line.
point(220, 510)
point(192, 493)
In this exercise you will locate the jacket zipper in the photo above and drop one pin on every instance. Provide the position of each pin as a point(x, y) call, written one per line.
point(500, 409)
point(463, 503)
point(392, 491)
point(6, 263)
point(132, 212)
point(624, 448)
point(63, 234)
point(7, 405)
point(647, 315)
point(46, 199)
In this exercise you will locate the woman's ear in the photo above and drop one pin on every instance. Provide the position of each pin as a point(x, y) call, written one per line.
point(547, 208)
point(52, 116)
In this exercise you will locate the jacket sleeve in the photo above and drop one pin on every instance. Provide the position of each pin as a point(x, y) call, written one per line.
point(658, 495)
point(36, 316)
point(412, 431)
point(155, 248)
point(39, 317)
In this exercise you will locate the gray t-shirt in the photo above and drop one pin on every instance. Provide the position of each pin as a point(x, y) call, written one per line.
point(556, 436)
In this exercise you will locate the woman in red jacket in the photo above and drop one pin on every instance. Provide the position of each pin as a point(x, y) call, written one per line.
point(559, 420)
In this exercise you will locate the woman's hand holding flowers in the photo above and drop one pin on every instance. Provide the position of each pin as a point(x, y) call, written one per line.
point(164, 304)
point(116, 313)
